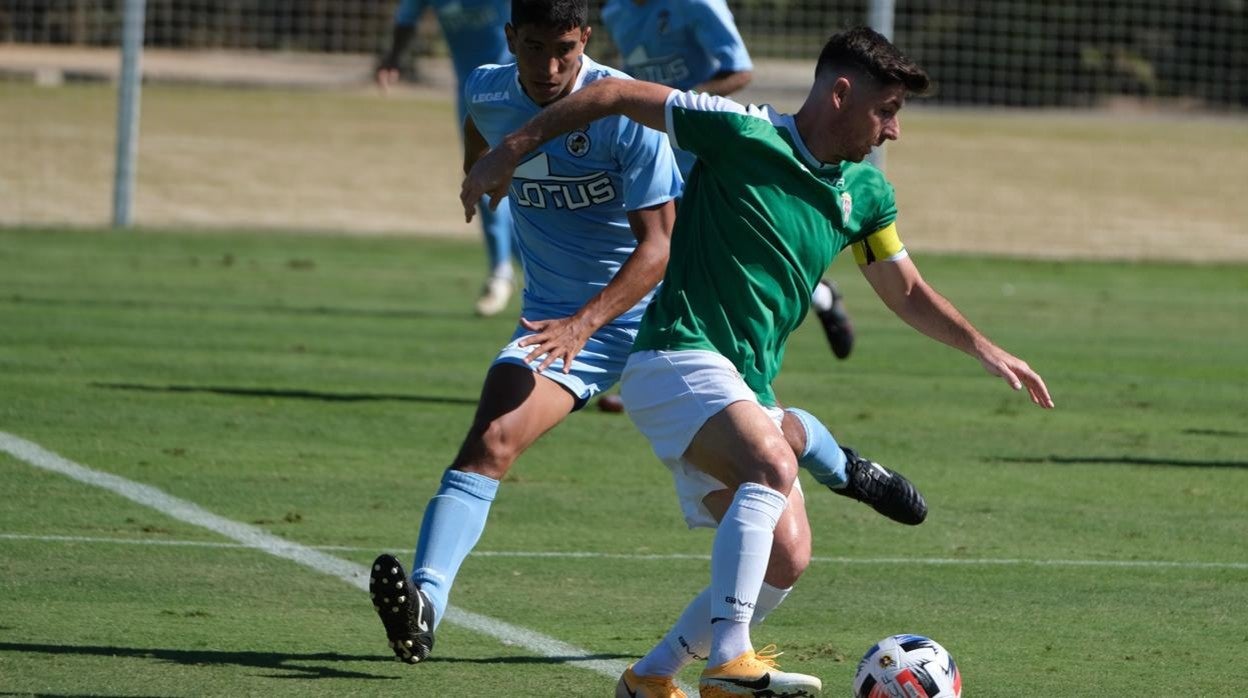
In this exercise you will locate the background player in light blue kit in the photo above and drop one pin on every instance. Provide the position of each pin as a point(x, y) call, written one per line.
point(474, 34)
point(695, 45)
point(686, 44)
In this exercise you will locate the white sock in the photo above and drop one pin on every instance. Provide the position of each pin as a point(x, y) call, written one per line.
point(739, 558)
point(690, 639)
point(769, 598)
point(729, 639)
point(822, 298)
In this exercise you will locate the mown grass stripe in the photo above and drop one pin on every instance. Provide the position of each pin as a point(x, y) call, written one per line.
point(667, 557)
point(258, 539)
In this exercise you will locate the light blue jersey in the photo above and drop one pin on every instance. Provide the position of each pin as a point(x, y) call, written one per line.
point(678, 43)
point(570, 201)
point(570, 198)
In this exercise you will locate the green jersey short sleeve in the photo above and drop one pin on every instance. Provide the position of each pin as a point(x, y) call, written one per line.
point(760, 221)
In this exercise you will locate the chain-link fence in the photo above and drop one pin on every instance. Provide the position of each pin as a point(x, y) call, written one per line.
point(1007, 52)
point(1149, 143)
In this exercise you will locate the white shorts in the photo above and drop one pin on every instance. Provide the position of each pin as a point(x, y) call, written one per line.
point(669, 395)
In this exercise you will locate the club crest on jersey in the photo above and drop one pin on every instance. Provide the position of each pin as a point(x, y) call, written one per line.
point(577, 143)
point(847, 207)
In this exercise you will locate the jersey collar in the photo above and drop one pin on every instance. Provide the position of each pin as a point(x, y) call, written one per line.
point(788, 123)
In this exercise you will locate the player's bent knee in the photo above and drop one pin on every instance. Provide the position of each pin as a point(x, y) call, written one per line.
point(489, 452)
point(778, 474)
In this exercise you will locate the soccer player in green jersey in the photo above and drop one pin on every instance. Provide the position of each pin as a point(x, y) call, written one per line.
point(772, 198)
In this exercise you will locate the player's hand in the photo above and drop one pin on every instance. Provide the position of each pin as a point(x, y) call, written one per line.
point(1017, 374)
point(560, 338)
point(490, 174)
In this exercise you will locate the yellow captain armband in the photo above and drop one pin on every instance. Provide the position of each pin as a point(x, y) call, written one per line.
point(882, 245)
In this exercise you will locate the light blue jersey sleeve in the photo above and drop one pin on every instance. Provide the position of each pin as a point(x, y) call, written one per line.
point(717, 33)
point(647, 167)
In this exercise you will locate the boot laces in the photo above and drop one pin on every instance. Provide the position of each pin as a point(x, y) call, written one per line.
point(767, 655)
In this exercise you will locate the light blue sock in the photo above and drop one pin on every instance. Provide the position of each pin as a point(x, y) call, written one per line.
point(823, 456)
point(497, 228)
point(451, 527)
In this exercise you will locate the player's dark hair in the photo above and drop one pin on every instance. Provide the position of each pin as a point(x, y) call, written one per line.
point(866, 51)
point(556, 14)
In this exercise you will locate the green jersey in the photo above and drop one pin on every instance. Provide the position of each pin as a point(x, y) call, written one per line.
point(760, 221)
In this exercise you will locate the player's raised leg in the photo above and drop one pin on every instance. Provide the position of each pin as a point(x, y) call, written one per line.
point(846, 473)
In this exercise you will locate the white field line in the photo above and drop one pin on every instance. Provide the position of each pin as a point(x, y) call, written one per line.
point(258, 539)
point(668, 557)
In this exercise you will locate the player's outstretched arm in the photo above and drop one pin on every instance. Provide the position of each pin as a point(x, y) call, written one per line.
point(643, 102)
point(563, 338)
point(902, 288)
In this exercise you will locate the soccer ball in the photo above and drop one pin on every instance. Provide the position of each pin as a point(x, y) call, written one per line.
point(907, 666)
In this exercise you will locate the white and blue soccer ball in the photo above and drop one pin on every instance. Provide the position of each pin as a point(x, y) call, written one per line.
point(907, 666)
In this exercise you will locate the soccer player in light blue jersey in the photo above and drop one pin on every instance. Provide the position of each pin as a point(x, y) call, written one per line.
point(474, 34)
point(695, 45)
point(593, 213)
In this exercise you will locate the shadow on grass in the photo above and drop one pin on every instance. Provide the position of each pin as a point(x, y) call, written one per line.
point(256, 660)
point(76, 695)
point(1217, 432)
point(1122, 460)
point(320, 310)
point(287, 394)
point(280, 662)
point(569, 659)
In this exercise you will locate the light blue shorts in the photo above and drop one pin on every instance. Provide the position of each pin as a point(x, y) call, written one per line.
point(595, 369)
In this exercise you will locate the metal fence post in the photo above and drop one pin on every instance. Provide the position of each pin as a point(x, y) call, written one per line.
point(880, 18)
point(128, 91)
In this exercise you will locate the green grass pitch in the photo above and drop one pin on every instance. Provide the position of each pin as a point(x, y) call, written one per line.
point(315, 387)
